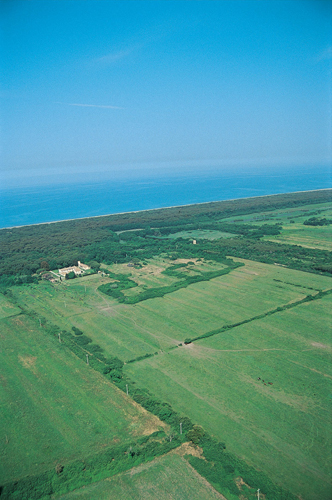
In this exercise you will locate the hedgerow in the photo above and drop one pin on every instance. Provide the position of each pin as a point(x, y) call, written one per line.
point(78, 473)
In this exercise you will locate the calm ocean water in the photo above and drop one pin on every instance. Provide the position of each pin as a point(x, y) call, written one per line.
point(22, 206)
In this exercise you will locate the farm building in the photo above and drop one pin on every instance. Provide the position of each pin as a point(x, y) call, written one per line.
point(76, 269)
point(67, 270)
point(83, 266)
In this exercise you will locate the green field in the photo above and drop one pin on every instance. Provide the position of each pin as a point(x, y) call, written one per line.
point(306, 236)
point(294, 232)
point(214, 381)
point(285, 215)
point(157, 324)
point(204, 234)
point(245, 352)
point(166, 478)
point(283, 428)
point(54, 408)
point(7, 309)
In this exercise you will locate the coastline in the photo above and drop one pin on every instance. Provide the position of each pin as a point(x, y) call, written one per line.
point(163, 208)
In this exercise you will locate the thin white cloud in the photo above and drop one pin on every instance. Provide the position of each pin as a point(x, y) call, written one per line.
point(104, 106)
point(113, 57)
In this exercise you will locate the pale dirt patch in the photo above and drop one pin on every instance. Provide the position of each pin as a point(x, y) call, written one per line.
point(321, 346)
point(189, 449)
point(19, 322)
point(151, 422)
point(189, 346)
point(28, 362)
point(239, 483)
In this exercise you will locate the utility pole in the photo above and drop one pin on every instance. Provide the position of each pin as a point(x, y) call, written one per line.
point(87, 359)
point(180, 427)
point(60, 337)
point(258, 493)
point(127, 389)
point(40, 322)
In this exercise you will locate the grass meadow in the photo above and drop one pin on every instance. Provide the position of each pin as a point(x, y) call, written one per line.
point(285, 215)
point(293, 231)
point(128, 331)
point(54, 408)
point(206, 234)
point(7, 309)
point(263, 388)
point(169, 477)
point(307, 236)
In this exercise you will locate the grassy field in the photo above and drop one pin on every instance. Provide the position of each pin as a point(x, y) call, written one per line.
point(156, 324)
point(294, 232)
point(55, 408)
point(307, 236)
point(264, 388)
point(166, 478)
point(7, 309)
point(283, 427)
point(285, 215)
point(204, 234)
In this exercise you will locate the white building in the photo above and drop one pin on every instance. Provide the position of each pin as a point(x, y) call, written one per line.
point(83, 266)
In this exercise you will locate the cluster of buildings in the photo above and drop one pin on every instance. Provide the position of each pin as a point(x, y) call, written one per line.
point(79, 269)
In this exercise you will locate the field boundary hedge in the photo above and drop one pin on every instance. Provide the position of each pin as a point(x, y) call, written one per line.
point(153, 293)
point(70, 476)
point(278, 309)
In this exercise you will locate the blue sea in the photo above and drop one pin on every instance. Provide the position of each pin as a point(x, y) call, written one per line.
point(33, 205)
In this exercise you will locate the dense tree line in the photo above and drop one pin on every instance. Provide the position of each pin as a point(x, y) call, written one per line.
point(30, 249)
point(317, 221)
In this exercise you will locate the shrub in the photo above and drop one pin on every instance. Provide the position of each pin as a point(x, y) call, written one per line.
point(195, 434)
point(83, 340)
point(77, 331)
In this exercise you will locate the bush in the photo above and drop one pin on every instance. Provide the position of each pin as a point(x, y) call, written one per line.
point(195, 434)
point(83, 340)
point(77, 331)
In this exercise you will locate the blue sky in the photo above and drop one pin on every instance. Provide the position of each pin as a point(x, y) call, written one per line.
point(144, 88)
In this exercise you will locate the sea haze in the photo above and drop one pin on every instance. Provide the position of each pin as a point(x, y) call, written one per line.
point(33, 205)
